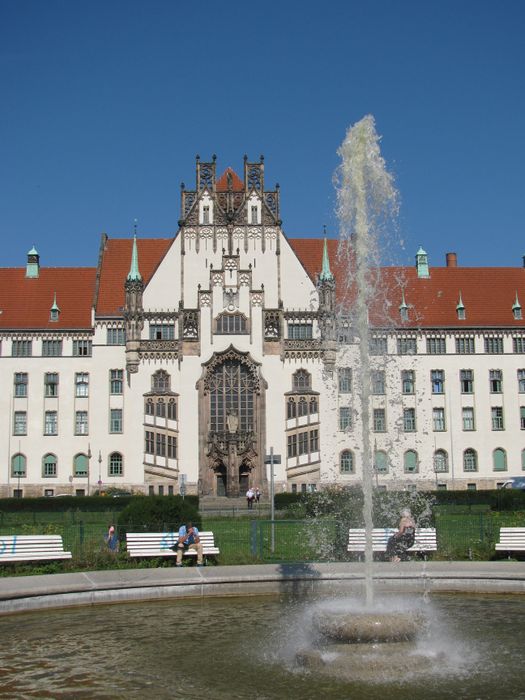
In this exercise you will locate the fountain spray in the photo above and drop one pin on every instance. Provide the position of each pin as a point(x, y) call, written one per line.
point(366, 201)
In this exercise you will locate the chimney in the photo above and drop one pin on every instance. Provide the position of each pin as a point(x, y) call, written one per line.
point(452, 260)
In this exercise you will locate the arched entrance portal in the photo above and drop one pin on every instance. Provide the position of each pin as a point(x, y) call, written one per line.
point(231, 424)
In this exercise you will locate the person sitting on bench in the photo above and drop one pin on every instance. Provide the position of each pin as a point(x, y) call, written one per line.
point(403, 539)
point(188, 539)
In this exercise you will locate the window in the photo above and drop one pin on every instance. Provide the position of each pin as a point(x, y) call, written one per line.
point(314, 440)
point(516, 311)
point(21, 348)
point(292, 446)
point(438, 419)
point(50, 423)
point(116, 381)
point(49, 465)
point(521, 381)
point(409, 420)
point(314, 407)
point(160, 444)
point(18, 465)
point(255, 215)
point(436, 346)
point(20, 384)
point(497, 418)
point(408, 381)
point(115, 420)
point(206, 214)
point(116, 336)
point(493, 345)
point(172, 447)
point(462, 315)
point(81, 423)
point(465, 346)
point(406, 346)
point(346, 462)
point(522, 417)
point(160, 382)
point(345, 419)
point(291, 409)
point(20, 423)
point(51, 348)
point(470, 460)
point(381, 462)
point(523, 460)
point(499, 460)
point(345, 380)
point(378, 345)
point(81, 384)
point(149, 446)
point(518, 344)
point(231, 324)
point(50, 384)
point(160, 409)
point(232, 387)
point(466, 380)
point(172, 409)
point(410, 464)
point(300, 331)
point(496, 381)
point(302, 443)
point(115, 464)
point(301, 380)
point(82, 348)
point(80, 465)
point(437, 381)
point(302, 407)
point(379, 420)
point(440, 461)
point(468, 418)
point(161, 331)
point(378, 382)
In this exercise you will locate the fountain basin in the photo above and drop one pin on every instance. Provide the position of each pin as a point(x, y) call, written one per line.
point(368, 626)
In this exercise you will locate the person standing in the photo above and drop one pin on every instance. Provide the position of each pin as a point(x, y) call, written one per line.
point(250, 496)
point(188, 539)
point(111, 540)
point(257, 494)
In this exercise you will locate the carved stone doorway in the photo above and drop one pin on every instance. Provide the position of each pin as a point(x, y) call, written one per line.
point(221, 480)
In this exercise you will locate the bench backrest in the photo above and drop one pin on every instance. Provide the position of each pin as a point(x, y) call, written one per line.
point(511, 535)
point(163, 540)
point(28, 546)
point(425, 539)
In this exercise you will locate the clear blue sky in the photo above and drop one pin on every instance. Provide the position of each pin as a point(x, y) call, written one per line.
point(104, 105)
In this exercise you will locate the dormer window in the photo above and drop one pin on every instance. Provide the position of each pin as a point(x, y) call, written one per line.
point(205, 214)
point(516, 309)
point(54, 312)
point(301, 380)
point(460, 309)
point(255, 214)
point(403, 308)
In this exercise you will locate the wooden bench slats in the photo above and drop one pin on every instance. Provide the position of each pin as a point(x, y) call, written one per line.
point(425, 539)
point(16, 548)
point(158, 544)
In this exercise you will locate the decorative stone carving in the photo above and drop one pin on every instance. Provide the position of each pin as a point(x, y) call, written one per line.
point(217, 279)
point(244, 279)
point(190, 325)
point(272, 325)
point(204, 299)
point(257, 299)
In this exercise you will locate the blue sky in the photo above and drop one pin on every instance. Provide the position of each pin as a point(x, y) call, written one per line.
point(106, 104)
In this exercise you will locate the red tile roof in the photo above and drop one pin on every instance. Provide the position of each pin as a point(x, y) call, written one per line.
point(26, 303)
point(222, 183)
point(488, 293)
point(114, 268)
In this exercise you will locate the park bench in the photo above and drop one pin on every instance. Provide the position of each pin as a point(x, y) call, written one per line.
point(16, 548)
point(158, 544)
point(425, 540)
point(511, 539)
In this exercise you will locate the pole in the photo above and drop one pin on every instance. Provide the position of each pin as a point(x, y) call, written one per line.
point(272, 504)
point(88, 466)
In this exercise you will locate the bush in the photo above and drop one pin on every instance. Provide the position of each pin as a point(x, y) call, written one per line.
point(285, 499)
point(157, 514)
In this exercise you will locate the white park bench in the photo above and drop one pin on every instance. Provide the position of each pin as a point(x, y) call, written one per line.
point(16, 548)
point(425, 540)
point(511, 539)
point(158, 544)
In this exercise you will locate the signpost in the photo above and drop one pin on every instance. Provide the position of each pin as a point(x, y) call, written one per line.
point(272, 459)
point(182, 487)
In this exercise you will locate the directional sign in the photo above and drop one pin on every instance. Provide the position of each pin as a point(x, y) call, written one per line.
point(275, 459)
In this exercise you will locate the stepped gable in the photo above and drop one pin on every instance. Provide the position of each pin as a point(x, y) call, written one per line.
point(488, 293)
point(25, 303)
point(222, 183)
point(115, 264)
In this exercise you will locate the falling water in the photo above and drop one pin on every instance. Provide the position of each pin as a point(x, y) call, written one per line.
point(366, 203)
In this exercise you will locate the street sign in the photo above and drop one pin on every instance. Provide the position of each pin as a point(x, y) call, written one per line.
point(272, 459)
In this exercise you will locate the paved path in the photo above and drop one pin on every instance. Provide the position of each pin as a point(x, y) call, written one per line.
point(23, 593)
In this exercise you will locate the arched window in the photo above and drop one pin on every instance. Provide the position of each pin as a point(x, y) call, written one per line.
point(115, 464)
point(161, 409)
point(410, 462)
point(291, 411)
point(381, 462)
point(80, 465)
point(314, 407)
point(18, 465)
point(440, 461)
point(160, 382)
point(499, 460)
point(49, 465)
point(231, 324)
point(302, 407)
point(470, 460)
point(232, 388)
point(150, 408)
point(301, 380)
point(346, 462)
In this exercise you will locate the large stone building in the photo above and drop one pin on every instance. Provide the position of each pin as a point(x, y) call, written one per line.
point(188, 359)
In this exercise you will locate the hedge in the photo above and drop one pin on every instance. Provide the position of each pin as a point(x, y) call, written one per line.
point(158, 513)
point(80, 503)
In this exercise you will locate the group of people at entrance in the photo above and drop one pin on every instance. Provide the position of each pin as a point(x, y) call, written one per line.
point(253, 495)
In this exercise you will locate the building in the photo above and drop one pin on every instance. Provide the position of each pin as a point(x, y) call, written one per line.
point(186, 359)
